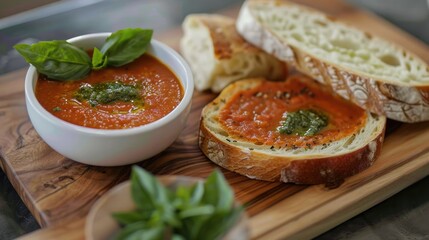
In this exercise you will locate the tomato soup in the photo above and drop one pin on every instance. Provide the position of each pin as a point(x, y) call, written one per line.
point(132, 95)
point(255, 115)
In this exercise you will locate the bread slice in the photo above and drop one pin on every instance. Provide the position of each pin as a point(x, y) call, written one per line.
point(218, 55)
point(372, 72)
point(323, 161)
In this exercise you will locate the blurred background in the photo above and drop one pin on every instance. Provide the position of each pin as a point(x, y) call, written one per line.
point(404, 216)
point(27, 21)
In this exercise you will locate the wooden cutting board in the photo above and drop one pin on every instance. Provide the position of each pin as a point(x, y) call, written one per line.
point(59, 192)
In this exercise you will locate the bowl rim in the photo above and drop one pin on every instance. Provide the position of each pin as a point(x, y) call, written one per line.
point(181, 107)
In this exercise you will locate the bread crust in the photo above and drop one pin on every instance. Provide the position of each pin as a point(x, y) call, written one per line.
point(226, 40)
point(255, 165)
point(218, 55)
point(398, 102)
point(302, 169)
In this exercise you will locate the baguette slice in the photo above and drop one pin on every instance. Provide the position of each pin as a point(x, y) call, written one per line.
point(218, 55)
point(371, 72)
point(328, 162)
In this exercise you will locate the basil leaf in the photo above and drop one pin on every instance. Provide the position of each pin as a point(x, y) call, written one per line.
point(99, 60)
point(125, 45)
point(58, 60)
point(197, 193)
point(187, 197)
point(217, 192)
point(141, 195)
point(183, 194)
point(202, 211)
point(177, 237)
point(148, 182)
point(149, 194)
point(140, 230)
point(168, 214)
point(219, 224)
point(130, 217)
point(191, 227)
point(197, 211)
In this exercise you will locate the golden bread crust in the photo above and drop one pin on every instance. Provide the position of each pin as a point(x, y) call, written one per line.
point(398, 101)
point(250, 160)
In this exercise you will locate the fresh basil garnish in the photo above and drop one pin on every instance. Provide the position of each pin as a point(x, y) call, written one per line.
point(217, 192)
point(125, 45)
point(99, 60)
point(140, 230)
point(149, 194)
point(60, 60)
point(202, 211)
point(57, 59)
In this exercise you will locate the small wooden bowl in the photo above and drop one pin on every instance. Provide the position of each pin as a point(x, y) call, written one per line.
point(100, 224)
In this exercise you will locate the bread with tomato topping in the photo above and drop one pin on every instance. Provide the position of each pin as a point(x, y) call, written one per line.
point(373, 73)
point(239, 131)
point(218, 55)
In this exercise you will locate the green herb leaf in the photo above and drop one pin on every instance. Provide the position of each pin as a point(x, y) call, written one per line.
point(131, 217)
point(202, 211)
point(303, 123)
point(149, 194)
point(219, 223)
point(217, 192)
point(99, 60)
point(139, 230)
point(177, 237)
point(197, 193)
point(58, 60)
point(183, 194)
point(191, 227)
point(197, 211)
point(125, 45)
point(146, 190)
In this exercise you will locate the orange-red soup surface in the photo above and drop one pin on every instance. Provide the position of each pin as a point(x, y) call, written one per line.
point(254, 115)
point(160, 89)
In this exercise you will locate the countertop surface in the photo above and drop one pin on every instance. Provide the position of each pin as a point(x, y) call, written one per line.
point(403, 216)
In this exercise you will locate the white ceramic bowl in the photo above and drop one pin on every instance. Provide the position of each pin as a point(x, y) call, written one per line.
point(119, 146)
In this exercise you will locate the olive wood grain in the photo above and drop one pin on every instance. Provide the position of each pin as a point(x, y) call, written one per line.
point(60, 192)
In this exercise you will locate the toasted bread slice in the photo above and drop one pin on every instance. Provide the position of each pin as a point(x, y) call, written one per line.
point(238, 131)
point(372, 72)
point(218, 55)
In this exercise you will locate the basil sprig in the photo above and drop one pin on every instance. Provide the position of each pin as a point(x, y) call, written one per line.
point(56, 59)
point(202, 211)
point(125, 45)
point(99, 60)
point(60, 60)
